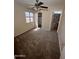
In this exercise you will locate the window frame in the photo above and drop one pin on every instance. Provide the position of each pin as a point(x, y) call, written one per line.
point(29, 17)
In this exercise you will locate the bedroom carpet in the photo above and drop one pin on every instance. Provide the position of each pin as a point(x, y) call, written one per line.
point(40, 44)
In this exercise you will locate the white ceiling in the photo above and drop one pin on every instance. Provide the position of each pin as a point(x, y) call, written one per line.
point(46, 2)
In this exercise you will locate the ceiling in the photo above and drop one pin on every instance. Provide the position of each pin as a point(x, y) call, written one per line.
point(46, 2)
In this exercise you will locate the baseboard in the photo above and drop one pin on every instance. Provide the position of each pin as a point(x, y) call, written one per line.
point(25, 31)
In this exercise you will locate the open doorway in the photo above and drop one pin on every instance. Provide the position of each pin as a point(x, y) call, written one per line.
point(39, 19)
point(55, 21)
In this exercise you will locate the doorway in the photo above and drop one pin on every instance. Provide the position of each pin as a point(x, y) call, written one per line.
point(40, 20)
point(55, 21)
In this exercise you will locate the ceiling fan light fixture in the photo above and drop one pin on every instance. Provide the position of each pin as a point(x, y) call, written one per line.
point(39, 6)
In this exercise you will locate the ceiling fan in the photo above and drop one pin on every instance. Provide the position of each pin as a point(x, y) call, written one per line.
point(39, 6)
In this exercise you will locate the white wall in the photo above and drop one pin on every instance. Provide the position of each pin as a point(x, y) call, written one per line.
point(61, 35)
point(20, 25)
point(46, 19)
point(47, 16)
point(36, 19)
point(61, 32)
point(62, 54)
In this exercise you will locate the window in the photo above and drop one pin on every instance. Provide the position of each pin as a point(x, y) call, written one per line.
point(29, 17)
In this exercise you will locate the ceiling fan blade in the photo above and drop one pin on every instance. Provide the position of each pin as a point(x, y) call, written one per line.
point(40, 3)
point(43, 7)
